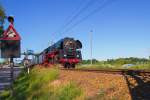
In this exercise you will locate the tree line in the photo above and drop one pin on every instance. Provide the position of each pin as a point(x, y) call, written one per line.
point(119, 61)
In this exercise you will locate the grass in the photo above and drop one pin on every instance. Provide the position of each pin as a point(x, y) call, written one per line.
point(142, 66)
point(103, 94)
point(37, 86)
point(95, 66)
point(68, 91)
point(109, 66)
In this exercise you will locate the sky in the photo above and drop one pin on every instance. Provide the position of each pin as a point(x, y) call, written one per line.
point(119, 28)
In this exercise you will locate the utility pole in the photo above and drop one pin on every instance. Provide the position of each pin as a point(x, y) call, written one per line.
point(50, 43)
point(91, 46)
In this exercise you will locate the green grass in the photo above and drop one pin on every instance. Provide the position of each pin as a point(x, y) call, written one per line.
point(97, 66)
point(26, 85)
point(5, 94)
point(37, 86)
point(141, 66)
point(69, 91)
point(109, 66)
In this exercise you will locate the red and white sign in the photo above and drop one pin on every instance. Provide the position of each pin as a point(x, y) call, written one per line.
point(10, 34)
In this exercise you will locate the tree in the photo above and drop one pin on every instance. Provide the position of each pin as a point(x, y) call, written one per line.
point(2, 19)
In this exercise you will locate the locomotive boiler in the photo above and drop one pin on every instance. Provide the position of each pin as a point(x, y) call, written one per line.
point(66, 51)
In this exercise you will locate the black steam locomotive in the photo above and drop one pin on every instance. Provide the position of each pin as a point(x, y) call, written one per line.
point(66, 51)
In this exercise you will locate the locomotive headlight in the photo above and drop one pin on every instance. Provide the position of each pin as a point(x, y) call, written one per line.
point(65, 55)
point(78, 56)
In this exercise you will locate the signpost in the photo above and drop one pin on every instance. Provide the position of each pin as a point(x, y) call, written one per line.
point(10, 45)
point(26, 61)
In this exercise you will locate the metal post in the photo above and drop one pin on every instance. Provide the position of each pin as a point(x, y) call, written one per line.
point(28, 69)
point(12, 74)
point(91, 40)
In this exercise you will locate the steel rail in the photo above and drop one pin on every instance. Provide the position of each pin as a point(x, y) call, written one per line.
point(110, 71)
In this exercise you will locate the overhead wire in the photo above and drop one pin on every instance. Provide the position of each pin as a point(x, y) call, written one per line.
point(105, 4)
point(69, 17)
point(75, 15)
point(91, 2)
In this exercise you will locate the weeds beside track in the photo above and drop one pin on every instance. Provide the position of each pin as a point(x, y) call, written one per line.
point(111, 71)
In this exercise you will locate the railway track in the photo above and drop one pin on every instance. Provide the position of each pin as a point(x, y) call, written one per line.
point(111, 71)
point(134, 83)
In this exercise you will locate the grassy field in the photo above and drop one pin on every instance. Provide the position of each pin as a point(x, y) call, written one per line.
point(119, 63)
point(115, 66)
point(38, 86)
point(41, 84)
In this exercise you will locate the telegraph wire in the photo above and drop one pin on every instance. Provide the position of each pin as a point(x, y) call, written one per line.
point(105, 4)
point(91, 2)
point(69, 17)
point(75, 16)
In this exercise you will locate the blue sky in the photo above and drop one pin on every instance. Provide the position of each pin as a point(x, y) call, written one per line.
point(121, 29)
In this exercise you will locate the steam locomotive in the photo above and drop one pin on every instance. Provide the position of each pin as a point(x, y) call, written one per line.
point(66, 51)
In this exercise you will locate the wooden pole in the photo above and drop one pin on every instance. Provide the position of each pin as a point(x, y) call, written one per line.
point(12, 75)
point(91, 46)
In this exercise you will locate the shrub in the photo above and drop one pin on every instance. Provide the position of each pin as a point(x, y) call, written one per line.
point(28, 85)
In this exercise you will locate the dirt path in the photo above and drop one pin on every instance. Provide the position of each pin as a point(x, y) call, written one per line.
point(5, 78)
point(108, 86)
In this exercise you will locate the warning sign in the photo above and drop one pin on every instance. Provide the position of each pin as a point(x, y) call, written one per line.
point(10, 43)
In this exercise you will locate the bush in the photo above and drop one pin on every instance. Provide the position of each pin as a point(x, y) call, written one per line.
point(38, 86)
point(4, 95)
point(28, 85)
